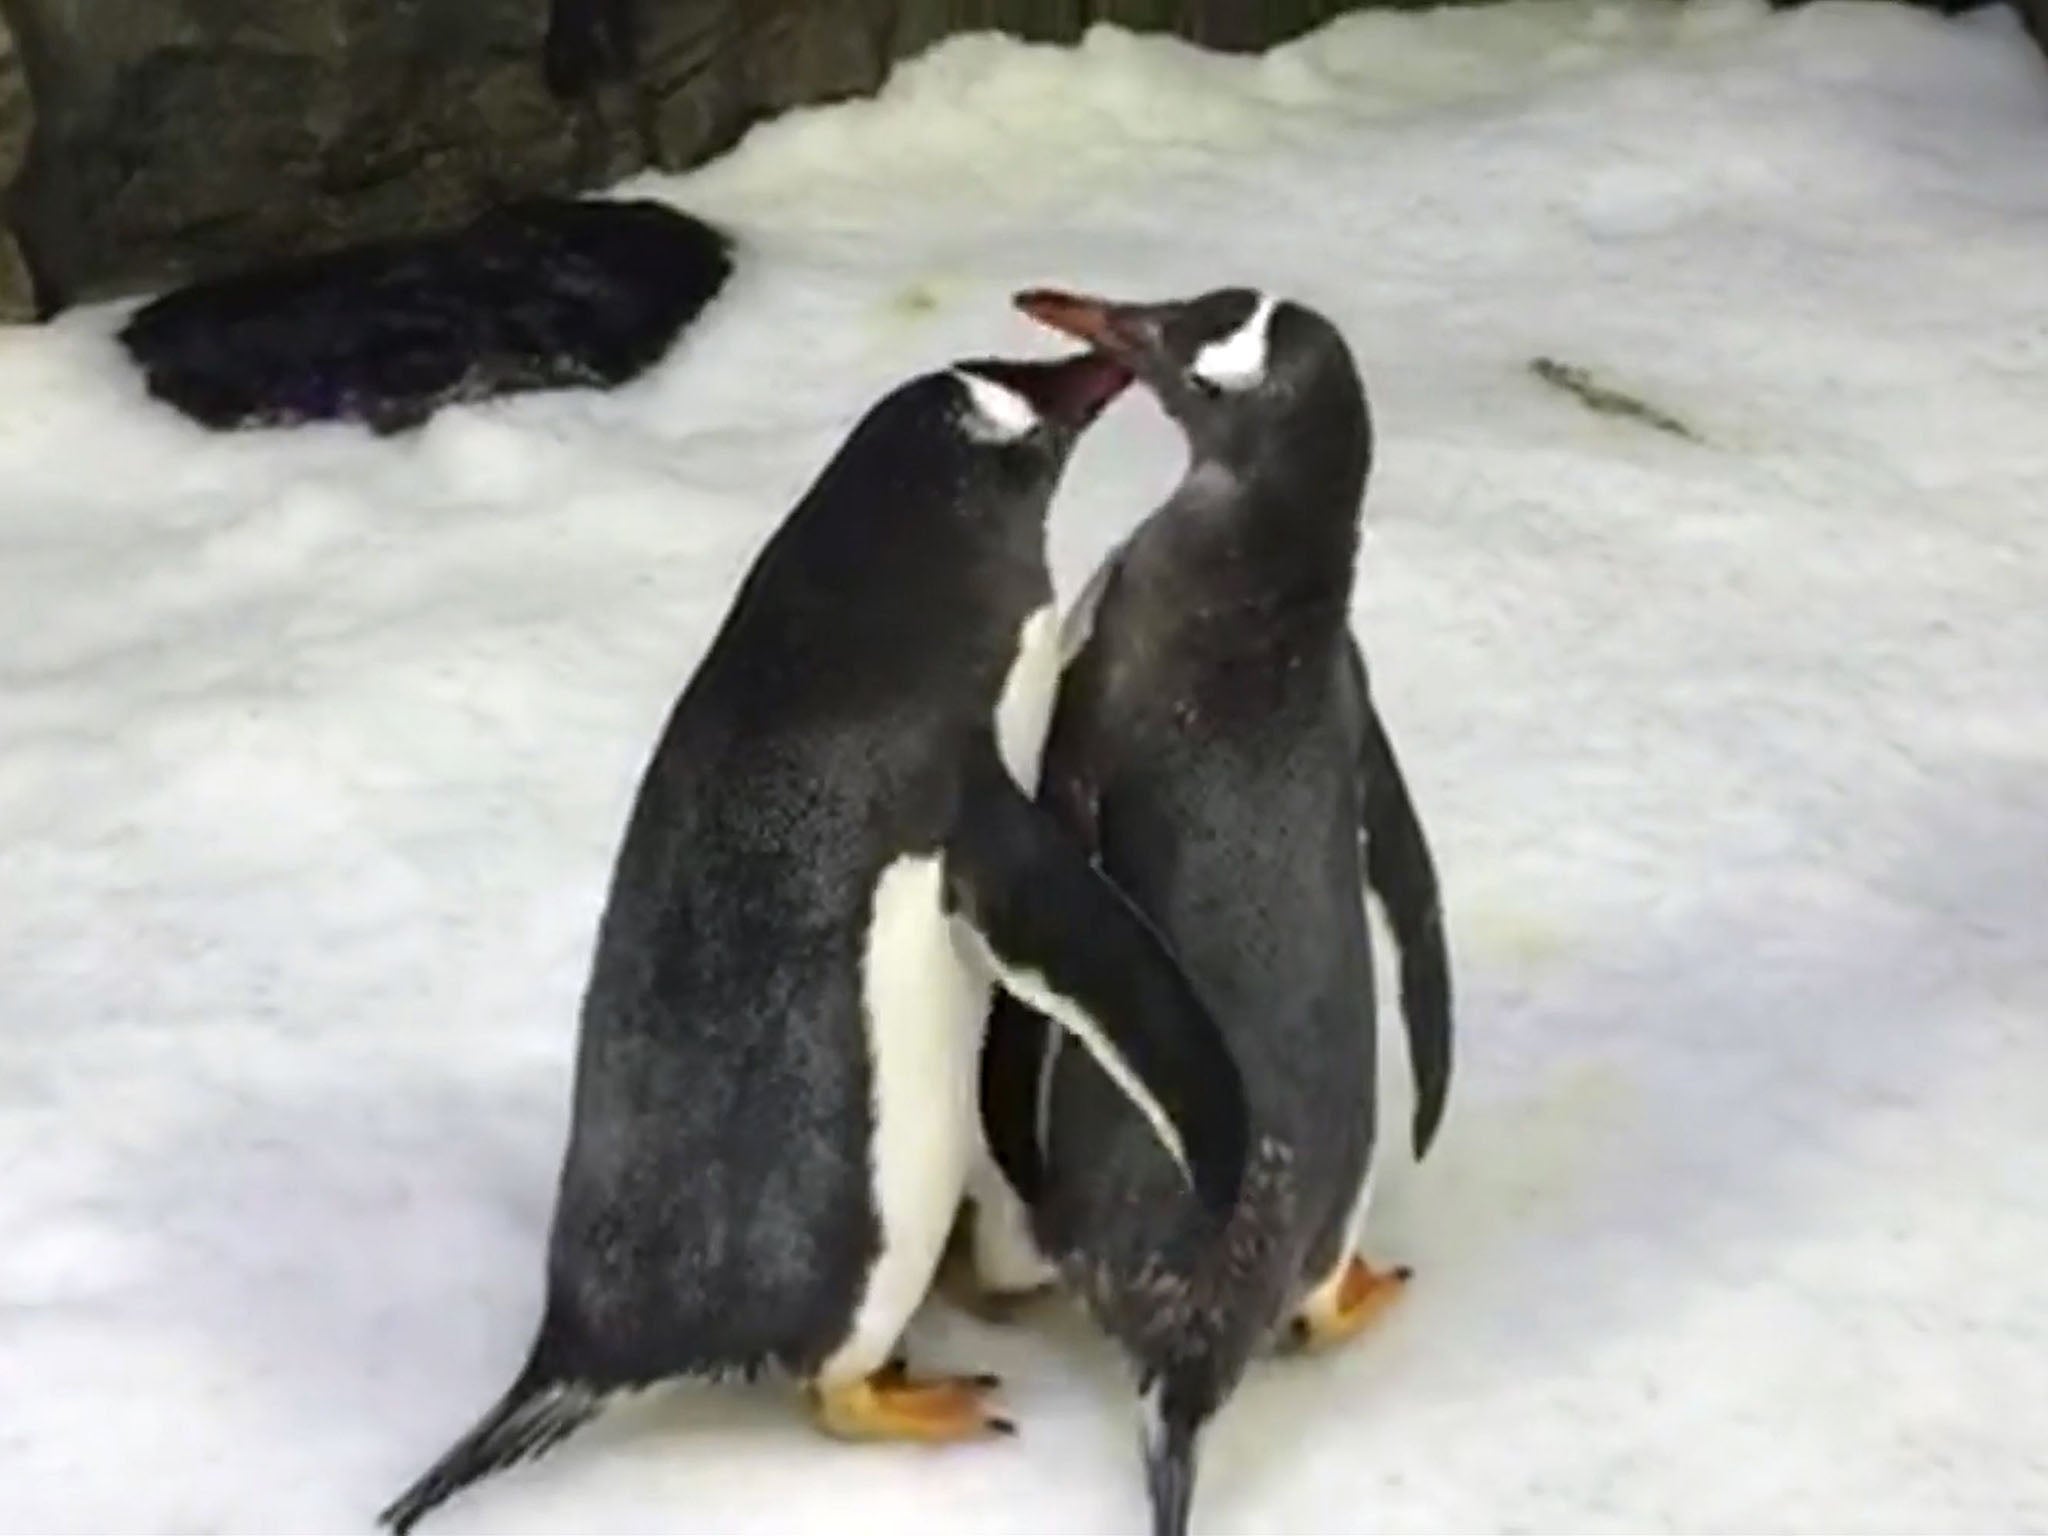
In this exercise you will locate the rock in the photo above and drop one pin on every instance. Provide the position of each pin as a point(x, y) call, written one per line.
point(1236, 26)
point(709, 70)
point(2035, 13)
point(17, 292)
point(185, 138)
point(17, 297)
point(590, 42)
point(180, 140)
point(710, 75)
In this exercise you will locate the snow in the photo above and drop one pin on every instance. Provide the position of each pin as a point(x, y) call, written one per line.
point(317, 749)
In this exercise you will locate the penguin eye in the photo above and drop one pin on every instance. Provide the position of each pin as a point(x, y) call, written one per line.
point(1206, 387)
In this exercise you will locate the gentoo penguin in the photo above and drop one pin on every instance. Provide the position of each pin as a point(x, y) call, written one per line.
point(831, 856)
point(1215, 747)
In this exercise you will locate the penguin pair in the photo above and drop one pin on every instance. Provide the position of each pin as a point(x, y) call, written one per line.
point(1216, 750)
point(833, 855)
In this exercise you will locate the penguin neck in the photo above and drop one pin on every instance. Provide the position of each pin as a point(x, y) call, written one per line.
point(1255, 547)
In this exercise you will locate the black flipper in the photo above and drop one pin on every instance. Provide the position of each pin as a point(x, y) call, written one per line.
point(1019, 1038)
point(1402, 874)
point(1064, 940)
point(1012, 1064)
point(530, 1419)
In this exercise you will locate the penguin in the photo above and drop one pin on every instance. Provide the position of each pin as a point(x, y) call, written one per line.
point(831, 859)
point(1216, 749)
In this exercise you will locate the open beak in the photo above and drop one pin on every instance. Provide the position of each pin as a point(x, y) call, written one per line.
point(1070, 392)
point(1116, 329)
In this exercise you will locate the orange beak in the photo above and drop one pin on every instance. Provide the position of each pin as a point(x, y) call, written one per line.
point(1101, 324)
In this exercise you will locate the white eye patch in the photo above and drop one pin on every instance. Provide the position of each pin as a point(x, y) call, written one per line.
point(996, 414)
point(1238, 361)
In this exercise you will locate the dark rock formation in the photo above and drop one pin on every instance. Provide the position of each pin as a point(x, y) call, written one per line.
point(544, 294)
point(187, 139)
point(181, 139)
point(2033, 13)
point(590, 41)
point(2036, 14)
point(16, 119)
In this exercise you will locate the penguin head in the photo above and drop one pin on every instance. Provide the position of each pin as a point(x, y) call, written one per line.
point(1244, 373)
point(987, 439)
point(1033, 412)
point(979, 444)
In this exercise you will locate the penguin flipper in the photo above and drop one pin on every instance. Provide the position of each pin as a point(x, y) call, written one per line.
point(1402, 874)
point(1018, 1039)
point(1012, 1061)
point(1063, 940)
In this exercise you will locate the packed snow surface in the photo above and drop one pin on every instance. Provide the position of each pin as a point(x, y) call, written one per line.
point(1734, 747)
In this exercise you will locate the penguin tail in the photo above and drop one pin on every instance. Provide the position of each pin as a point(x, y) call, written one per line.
point(1402, 874)
point(1192, 1356)
point(530, 1419)
point(1174, 1414)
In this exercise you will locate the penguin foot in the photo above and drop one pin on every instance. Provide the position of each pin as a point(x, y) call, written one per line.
point(897, 1373)
point(959, 1283)
point(1002, 1307)
point(991, 1291)
point(1344, 1306)
point(889, 1405)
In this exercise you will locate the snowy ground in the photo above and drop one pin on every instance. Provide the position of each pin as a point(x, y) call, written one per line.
point(1736, 754)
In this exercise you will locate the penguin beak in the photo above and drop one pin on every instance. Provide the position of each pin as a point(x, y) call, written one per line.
point(1126, 332)
point(1068, 392)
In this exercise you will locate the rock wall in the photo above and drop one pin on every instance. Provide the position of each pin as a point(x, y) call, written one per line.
point(16, 120)
point(177, 139)
point(146, 142)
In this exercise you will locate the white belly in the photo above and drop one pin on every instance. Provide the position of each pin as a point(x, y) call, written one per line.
point(926, 1004)
point(925, 1008)
point(1024, 712)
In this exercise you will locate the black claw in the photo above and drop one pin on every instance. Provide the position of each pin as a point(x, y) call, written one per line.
point(1404, 1272)
point(987, 1381)
point(1002, 1427)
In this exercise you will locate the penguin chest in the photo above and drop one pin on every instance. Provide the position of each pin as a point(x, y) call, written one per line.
point(924, 1005)
point(1024, 709)
point(923, 1008)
